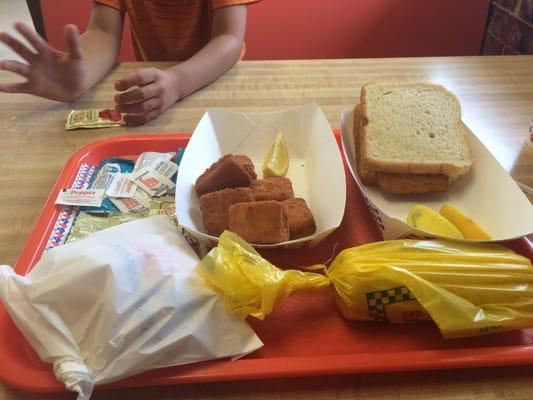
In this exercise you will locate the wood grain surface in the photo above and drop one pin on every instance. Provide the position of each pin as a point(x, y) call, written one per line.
point(496, 95)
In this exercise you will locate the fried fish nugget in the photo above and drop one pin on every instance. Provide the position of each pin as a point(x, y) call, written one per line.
point(246, 163)
point(301, 220)
point(230, 171)
point(275, 188)
point(260, 222)
point(215, 205)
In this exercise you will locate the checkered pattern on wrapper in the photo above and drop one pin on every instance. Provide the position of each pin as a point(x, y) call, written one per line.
point(378, 300)
point(68, 214)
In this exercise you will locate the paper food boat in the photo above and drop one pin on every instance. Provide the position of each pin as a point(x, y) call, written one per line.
point(316, 169)
point(487, 194)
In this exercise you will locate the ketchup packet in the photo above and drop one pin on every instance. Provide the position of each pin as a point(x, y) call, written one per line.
point(94, 118)
point(530, 135)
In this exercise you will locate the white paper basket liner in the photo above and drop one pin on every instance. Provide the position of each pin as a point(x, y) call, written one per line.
point(487, 194)
point(316, 168)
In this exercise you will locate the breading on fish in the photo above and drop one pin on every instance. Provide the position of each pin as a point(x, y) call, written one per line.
point(274, 188)
point(215, 205)
point(301, 220)
point(230, 171)
point(260, 222)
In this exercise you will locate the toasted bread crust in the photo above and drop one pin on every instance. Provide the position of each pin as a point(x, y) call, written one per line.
point(411, 183)
point(367, 177)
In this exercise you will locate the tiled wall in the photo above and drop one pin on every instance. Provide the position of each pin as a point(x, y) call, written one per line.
point(509, 28)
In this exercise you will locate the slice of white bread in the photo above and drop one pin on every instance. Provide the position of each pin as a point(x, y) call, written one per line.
point(394, 183)
point(413, 128)
point(367, 177)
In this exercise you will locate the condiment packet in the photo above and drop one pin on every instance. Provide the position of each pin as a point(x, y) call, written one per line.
point(179, 154)
point(105, 174)
point(155, 178)
point(151, 157)
point(104, 177)
point(530, 135)
point(94, 118)
point(81, 197)
point(121, 186)
point(139, 203)
point(162, 206)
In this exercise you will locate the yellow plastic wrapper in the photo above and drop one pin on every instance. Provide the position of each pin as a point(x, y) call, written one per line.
point(249, 284)
point(468, 289)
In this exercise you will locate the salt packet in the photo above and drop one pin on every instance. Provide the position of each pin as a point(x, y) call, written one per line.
point(151, 157)
point(156, 178)
point(94, 118)
point(106, 175)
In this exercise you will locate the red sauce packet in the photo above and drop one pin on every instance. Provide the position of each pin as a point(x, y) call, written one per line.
point(94, 118)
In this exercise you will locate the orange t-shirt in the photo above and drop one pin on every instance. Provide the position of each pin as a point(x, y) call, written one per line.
point(169, 30)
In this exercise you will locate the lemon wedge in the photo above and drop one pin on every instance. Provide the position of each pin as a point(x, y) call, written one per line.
point(427, 219)
point(465, 224)
point(277, 159)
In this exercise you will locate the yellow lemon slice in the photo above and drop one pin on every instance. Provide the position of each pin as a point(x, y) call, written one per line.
point(277, 159)
point(465, 224)
point(428, 220)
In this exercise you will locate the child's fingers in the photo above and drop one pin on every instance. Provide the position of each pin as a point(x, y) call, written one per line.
point(15, 67)
point(72, 38)
point(137, 95)
point(140, 78)
point(140, 108)
point(17, 46)
point(139, 119)
point(36, 41)
point(20, 87)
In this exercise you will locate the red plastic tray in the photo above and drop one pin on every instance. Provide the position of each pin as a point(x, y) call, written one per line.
point(304, 336)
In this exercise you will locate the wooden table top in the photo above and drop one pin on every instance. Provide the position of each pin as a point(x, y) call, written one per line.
point(496, 96)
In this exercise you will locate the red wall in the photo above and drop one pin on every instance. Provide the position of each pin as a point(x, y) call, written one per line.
point(365, 28)
point(300, 29)
point(58, 13)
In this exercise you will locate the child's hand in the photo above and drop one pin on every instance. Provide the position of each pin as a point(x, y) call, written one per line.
point(156, 91)
point(49, 72)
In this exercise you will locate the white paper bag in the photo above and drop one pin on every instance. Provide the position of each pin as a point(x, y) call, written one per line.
point(122, 301)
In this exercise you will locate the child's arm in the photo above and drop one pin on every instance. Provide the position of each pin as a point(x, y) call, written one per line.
point(157, 90)
point(64, 76)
